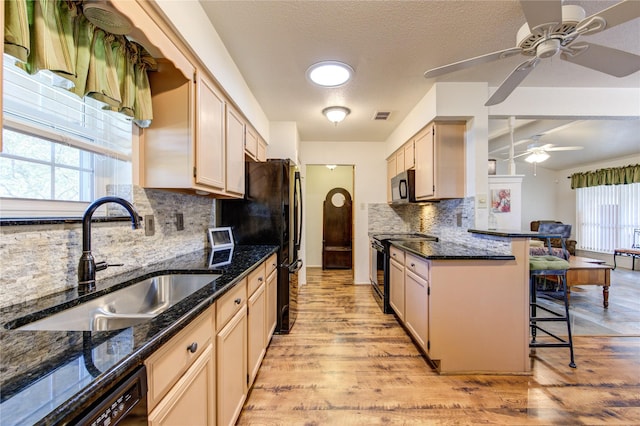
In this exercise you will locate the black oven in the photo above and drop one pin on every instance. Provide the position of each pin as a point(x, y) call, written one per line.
point(379, 263)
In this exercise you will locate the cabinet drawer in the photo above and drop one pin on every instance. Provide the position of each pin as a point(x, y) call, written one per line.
point(230, 303)
point(256, 278)
point(168, 364)
point(271, 264)
point(397, 254)
point(416, 265)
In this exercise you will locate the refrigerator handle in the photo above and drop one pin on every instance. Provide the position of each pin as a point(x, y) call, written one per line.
point(298, 203)
point(295, 266)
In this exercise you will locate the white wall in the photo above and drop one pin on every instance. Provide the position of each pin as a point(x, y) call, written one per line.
point(285, 140)
point(369, 186)
point(319, 180)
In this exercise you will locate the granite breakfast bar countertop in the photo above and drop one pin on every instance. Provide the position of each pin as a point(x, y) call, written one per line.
point(445, 250)
point(46, 375)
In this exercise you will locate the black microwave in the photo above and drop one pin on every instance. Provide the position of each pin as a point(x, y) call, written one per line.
point(403, 187)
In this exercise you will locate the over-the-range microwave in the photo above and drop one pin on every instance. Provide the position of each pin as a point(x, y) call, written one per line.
point(403, 187)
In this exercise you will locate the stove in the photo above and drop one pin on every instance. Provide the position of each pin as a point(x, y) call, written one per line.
point(379, 263)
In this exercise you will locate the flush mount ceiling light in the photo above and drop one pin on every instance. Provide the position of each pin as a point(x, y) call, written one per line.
point(336, 114)
point(537, 157)
point(331, 166)
point(329, 73)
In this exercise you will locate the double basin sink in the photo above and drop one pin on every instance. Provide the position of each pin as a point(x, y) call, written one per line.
point(124, 308)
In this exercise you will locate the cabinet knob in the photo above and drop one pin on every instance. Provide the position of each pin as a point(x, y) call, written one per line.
point(260, 279)
point(413, 265)
point(193, 347)
point(238, 301)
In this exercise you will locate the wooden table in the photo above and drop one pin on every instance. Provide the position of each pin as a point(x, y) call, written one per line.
point(586, 271)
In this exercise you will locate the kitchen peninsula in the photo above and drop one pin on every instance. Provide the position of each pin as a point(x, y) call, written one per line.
point(466, 308)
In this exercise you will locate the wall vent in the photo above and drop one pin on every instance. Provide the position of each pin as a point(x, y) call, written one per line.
point(381, 115)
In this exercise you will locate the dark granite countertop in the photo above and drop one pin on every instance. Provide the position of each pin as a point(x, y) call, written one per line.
point(47, 375)
point(512, 233)
point(445, 250)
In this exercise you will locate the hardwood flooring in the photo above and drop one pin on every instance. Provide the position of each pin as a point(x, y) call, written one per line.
point(347, 363)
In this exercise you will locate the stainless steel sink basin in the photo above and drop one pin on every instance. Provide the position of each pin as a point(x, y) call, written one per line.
point(126, 307)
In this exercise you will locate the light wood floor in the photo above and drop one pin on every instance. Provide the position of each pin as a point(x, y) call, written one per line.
point(347, 363)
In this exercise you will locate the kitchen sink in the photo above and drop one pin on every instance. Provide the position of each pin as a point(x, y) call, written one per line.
point(126, 307)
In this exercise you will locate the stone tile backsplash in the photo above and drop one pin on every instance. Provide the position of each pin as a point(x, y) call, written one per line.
point(37, 260)
point(438, 218)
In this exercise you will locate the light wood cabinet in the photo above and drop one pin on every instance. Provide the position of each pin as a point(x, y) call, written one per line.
point(391, 172)
point(396, 282)
point(210, 141)
point(409, 155)
point(235, 151)
point(262, 150)
point(440, 161)
point(192, 400)
point(417, 300)
point(231, 354)
point(181, 374)
point(257, 316)
point(251, 143)
point(272, 296)
point(400, 161)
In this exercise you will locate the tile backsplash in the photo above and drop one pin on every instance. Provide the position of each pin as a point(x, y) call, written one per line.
point(37, 260)
point(449, 220)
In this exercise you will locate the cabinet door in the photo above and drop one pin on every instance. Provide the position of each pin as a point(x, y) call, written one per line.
point(251, 142)
point(424, 163)
point(396, 288)
point(192, 400)
point(400, 166)
point(210, 135)
point(391, 172)
point(231, 368)
point(256, 330)
point(261, 155)
point(235, 152)
point(417, 308)
point(409, 155)
point(272, 305)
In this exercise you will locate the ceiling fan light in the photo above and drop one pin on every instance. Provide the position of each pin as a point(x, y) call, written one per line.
point(329, 73)
point(336, 114)
point(537, 157)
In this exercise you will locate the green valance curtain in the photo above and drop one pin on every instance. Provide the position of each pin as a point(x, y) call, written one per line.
point(54, 35)
point(611, 176)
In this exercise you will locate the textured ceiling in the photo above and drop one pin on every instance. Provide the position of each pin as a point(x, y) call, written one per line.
point(389, 44)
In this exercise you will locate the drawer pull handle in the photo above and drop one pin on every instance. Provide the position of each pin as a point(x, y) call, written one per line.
point(238, 301)
point(193, 347)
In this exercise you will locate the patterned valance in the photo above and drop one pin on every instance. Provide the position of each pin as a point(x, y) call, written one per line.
point(54, 35)
point(611, 176)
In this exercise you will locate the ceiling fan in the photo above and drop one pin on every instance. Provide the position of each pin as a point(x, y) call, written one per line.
point(552, 28)
point(538, 153)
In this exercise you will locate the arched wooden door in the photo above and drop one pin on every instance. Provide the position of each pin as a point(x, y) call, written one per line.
point(336, 230)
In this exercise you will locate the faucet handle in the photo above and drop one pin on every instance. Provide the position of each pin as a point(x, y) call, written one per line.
point(100, 266)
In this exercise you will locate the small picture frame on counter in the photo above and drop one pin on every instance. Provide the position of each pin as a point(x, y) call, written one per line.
point(492, 167)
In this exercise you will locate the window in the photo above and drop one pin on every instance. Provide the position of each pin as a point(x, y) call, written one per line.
point(59, 152)
point(607, 216)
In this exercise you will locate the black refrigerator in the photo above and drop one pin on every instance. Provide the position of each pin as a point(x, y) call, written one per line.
point(271, 213)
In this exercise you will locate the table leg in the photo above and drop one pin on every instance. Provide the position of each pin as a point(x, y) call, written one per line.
point(605, 295)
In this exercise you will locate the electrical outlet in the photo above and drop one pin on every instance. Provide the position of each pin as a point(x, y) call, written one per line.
point(149, 225)
point(179, 221)
point(459, 219)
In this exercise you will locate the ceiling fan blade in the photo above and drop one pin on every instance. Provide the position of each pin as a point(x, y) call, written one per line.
point(615, 15)
point(468, 63)
point(564, 148)
point(511, 82)
point(539, 12)
point(608, 60)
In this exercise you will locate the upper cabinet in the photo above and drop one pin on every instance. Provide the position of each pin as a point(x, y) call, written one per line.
point(198, 139)
point(440, 161)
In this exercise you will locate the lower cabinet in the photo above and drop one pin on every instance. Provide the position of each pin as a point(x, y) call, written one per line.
point(396, 282)
point(203, 374)
point(192, 400)
point(181, 376)
point(231, 346)
point(416, 310)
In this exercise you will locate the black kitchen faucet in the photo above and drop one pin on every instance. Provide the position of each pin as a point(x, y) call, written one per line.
point(87, 267)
